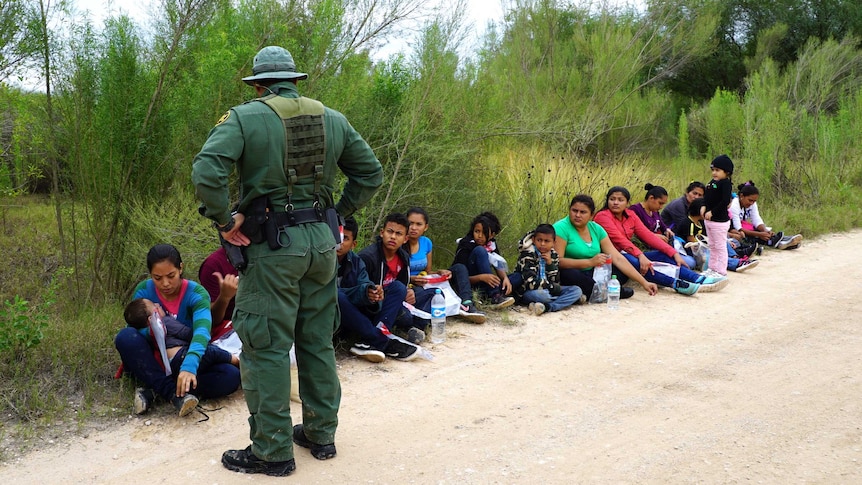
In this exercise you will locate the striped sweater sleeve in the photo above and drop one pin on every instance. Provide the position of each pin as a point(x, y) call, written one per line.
point(198, 305)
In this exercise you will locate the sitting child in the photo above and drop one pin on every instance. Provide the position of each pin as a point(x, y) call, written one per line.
point(177, 336)
point(477, 250)
point(539, 267)
point(362, 303)
point(388, 266)
point(421, 249)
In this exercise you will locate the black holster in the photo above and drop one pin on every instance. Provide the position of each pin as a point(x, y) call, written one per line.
point(255, 220)
point(235, 254)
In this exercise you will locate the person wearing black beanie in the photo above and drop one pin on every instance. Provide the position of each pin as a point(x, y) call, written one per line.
point(716, 200)
point(723, 162)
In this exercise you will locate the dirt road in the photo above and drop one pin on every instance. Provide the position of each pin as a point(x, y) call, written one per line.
point(759, 383)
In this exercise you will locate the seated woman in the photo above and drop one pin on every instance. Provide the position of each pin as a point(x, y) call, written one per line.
point(622, 225)
point(189, 303)
point(583, 244)
point(746, 223)
point(676, 211)
point(648, 212)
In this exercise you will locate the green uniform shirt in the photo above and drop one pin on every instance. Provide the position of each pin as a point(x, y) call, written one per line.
point(252, 136)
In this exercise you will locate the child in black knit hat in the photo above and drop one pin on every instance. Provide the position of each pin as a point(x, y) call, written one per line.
point(716, 201)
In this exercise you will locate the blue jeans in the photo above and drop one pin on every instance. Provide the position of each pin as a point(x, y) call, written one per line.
point(460, 281)
point(567, 298)
point(138, 359)
point(479, 264)
point(358, 321)
point(662, 279)
point(685, 274)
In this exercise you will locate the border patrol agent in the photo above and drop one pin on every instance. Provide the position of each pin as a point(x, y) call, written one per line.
point(287, 150)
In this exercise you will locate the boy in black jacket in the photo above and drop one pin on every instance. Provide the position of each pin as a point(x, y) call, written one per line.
point(362, 303)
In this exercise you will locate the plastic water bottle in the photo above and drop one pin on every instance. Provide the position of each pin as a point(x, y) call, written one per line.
point(438, 317)
point(613, 293)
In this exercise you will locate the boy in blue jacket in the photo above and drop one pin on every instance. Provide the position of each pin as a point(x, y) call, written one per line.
point(360, 301)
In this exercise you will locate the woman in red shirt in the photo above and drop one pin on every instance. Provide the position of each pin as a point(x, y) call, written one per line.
point(622, 225)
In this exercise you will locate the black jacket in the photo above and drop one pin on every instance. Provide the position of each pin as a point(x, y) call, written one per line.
point(375, 262)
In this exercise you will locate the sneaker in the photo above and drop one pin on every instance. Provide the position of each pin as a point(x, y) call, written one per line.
point(415, 335)
point(747, 265)
point(500, 301)
point(321, 452)
point(710, 277)
point(626, 292)
point(713, 285)
point(788, 241)
point(746, 249)
point(244, 461)
point(686, 288)
point(775, 239)
point(537, 308)
point(399, 350)
point(469, 312)
point(582, 300)
point(143, 400)
point(367, 352)
point(185, 404)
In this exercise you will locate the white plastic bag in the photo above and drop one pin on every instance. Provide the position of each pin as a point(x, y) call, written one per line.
point(601, 275)
point(230, 342)
point(453, 301)
point(700, 251)
point(422, 351)
point(158, 331)
point(668, 269)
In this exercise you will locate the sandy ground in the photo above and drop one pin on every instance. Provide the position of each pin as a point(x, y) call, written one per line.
point(758, 383)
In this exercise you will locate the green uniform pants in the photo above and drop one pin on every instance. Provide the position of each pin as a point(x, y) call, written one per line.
point(289, 295)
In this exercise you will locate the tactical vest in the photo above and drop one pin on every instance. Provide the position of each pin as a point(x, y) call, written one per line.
point(304, 142)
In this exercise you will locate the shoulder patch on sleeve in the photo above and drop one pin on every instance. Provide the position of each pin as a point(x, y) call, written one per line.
point(223, 118)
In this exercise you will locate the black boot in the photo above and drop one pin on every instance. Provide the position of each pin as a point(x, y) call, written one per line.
point(244, 461)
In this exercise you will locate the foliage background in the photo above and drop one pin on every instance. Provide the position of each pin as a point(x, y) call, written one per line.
point(561, 98)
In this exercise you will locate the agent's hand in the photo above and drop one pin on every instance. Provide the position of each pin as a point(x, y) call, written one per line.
point(411, 296)
point(235, 236)
point(186, 381)
point(419, 280)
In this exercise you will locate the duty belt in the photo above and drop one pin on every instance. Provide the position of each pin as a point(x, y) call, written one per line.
point(299, 216)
